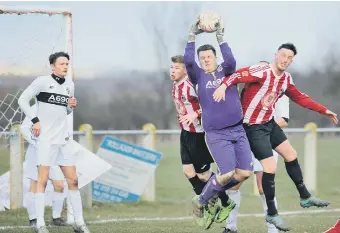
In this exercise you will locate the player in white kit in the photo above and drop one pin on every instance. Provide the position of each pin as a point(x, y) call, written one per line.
point(54, 99)
point(31, 172)
point(281, 117)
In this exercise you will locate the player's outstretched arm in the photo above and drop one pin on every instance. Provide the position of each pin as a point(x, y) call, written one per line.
point(24, 100)
point(189, 54)
point(243, 75)
point(250, 74)
point(305, 101)
point(229, 62)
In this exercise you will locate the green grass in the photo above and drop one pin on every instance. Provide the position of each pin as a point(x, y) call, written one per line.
point(174, 194)
point(248, 225)
point(301, 224)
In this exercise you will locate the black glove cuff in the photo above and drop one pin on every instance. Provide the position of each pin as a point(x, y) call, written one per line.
point(35, 120)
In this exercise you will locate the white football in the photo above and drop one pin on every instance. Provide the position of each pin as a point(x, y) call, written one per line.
point(208, 21)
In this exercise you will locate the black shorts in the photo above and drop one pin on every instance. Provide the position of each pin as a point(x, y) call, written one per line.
point(195, 151)
point(263, 138)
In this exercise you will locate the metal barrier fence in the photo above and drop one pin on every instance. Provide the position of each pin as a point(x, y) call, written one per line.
point(165, 141)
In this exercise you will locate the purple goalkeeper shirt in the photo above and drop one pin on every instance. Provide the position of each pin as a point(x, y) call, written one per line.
point(215, 116)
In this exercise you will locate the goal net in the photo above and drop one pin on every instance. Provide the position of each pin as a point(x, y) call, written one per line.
point(29, 36)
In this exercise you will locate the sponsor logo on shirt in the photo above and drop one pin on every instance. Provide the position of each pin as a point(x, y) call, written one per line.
point(269, 100)
point(214, 83)
point(53, 98)
point(245, 74)
point(58, 99)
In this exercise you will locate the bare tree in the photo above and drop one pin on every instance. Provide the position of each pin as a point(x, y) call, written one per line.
point(168, 27)
point(332, 67)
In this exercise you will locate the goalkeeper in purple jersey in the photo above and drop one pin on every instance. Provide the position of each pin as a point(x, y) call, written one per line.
point(222, 122)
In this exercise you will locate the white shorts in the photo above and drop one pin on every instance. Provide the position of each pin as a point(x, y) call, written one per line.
point(257, 165)
point(31, 169)
point(52, 154)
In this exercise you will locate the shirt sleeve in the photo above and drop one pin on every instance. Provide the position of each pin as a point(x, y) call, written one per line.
point(249, 74)
point(193, 96)
point(282, 108)
point(26, 127)
point(190, 63)
point(199, 112)
point(30, 92)
point(302, 99)
point(229, 62)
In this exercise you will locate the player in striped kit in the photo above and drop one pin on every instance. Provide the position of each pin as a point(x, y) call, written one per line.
point(195, 156)
point(281, 118)
point(265, 85)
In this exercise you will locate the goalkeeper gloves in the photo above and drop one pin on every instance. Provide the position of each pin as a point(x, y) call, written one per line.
point(194, 30)
point(220, 32)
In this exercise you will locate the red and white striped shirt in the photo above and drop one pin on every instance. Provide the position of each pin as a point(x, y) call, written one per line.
point(263, 88)
point(186, 102)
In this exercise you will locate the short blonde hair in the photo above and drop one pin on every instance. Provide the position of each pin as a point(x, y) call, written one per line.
point(177, 59)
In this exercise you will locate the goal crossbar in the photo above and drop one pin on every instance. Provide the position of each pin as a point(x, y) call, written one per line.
point(33, 10)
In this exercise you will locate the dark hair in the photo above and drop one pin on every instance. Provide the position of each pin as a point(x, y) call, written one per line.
point(53, 57)
point(177, 59)
point(206, 47)
point(289, 46)
point(267, 62)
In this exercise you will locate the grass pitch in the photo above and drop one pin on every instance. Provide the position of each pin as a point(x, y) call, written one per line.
point(174, 194)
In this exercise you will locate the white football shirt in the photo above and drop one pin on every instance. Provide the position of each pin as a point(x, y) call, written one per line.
point(51, 98)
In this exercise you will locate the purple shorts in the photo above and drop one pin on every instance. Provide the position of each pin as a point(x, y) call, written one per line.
point(230, 149)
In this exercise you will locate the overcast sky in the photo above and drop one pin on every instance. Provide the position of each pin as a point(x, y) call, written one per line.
point(119, 35)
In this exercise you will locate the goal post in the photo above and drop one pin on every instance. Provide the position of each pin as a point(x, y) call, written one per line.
point(16, 171)
point(310, 157)
point(9, 67)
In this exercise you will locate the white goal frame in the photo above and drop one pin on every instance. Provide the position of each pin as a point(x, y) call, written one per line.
point(16, 170)
point(16, 10)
